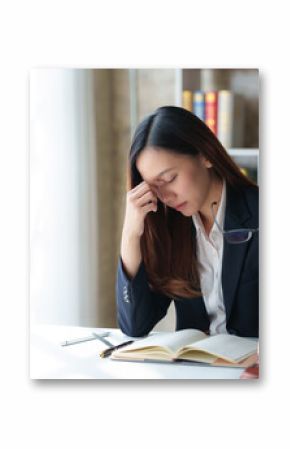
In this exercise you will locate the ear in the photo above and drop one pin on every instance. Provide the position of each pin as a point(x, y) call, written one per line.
point(206, 163)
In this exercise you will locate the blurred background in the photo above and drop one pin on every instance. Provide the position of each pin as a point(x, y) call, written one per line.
point(81, 125)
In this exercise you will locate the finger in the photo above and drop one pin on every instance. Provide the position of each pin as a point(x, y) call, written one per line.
point(146, 198)
point(138, 186)
point(141, 191)
point(149, 208)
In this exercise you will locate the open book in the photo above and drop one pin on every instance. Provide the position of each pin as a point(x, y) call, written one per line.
point(193, 345)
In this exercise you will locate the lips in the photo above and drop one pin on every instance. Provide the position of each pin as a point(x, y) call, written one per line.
point(179, 206)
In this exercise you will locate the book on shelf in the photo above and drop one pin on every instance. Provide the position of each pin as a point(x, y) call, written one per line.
point(221, 110)
point(191, 345)
point(187, 99)
point(225, 114)
point(211, 104)
point(198, 104)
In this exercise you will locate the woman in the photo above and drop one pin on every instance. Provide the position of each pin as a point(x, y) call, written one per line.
point(184, 194)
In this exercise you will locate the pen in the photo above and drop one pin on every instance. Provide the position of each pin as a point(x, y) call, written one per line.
point(76, 341)
point(109, 351)
point(102, 339)
point(84, 339)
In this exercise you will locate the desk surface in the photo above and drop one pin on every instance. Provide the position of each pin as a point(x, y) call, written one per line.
point(50, 360)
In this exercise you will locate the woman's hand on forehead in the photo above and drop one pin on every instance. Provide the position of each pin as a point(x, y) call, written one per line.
point(145, 185)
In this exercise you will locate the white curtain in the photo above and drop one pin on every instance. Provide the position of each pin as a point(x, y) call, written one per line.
point(63, 199)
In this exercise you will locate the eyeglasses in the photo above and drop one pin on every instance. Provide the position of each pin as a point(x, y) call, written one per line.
point(234, 236)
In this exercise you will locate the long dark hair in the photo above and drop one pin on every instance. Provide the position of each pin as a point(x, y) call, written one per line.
point(168, 245)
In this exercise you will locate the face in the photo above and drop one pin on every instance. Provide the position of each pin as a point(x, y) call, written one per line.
point(176, 179)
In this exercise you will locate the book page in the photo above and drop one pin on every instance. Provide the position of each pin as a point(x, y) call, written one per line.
point(228, 347)
point(172, 341)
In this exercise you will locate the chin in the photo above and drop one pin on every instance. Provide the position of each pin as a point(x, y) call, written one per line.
point(186, 213)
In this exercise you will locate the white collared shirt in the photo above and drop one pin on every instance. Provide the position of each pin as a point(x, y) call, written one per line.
point(209, 259)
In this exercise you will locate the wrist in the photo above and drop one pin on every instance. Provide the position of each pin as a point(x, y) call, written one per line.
point(130, 237)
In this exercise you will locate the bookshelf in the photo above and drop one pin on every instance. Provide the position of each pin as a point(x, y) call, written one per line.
point(243, 83)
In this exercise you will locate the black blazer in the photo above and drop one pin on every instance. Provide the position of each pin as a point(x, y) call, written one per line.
point(139, 308)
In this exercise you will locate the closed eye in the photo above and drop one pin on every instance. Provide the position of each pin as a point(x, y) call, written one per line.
point(166, 182)
point(171, 180)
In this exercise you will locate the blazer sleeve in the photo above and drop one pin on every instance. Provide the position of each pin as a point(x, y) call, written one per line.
point(138, 307)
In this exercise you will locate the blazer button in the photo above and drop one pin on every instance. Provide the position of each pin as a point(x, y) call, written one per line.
point(126, 297)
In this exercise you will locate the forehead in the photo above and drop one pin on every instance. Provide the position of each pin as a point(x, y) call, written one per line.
point(151, 162)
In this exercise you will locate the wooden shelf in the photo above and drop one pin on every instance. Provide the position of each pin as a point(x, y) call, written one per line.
point(252, 152)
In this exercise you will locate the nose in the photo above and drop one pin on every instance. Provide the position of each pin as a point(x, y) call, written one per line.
point(164, 194)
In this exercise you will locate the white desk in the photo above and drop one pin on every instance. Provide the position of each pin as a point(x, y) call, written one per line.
point(50, 360)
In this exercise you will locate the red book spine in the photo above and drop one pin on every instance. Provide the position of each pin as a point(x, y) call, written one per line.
point(211, 108)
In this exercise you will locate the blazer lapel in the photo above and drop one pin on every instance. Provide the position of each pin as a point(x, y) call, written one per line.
point(236, 216)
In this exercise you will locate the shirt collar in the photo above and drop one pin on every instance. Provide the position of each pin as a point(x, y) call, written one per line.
point(220, 215)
